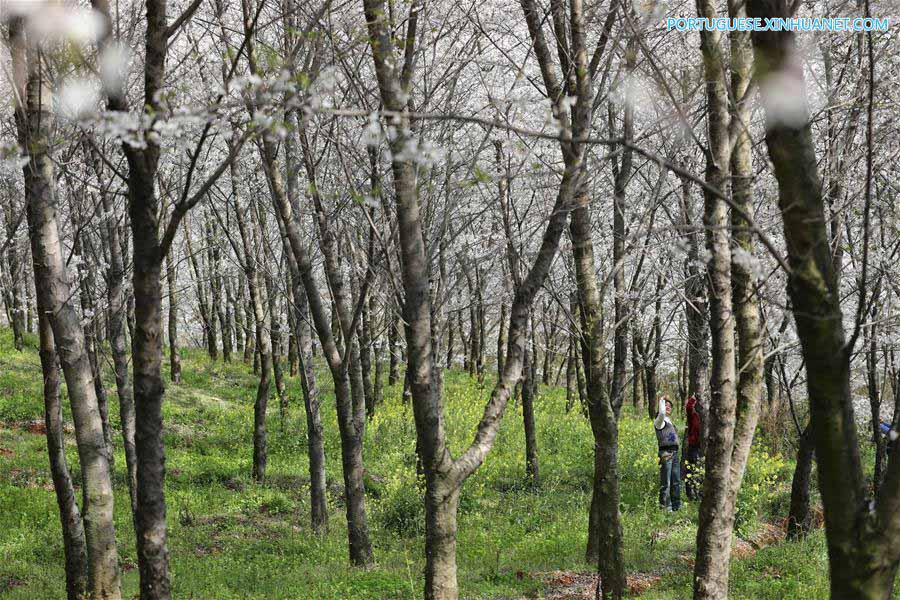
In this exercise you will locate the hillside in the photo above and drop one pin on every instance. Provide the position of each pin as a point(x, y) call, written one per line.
point(231, 538)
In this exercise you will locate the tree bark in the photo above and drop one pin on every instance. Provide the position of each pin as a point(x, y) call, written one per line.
point(174, 352)
point(74, 544)
point(716, 512)
point(249, 258)
point(621, 174)
point(798, 516)
point(529, 388)
point(52, 284)
point(571, 381)
point(393, 350)
point(13, 294)
point(219, 307)
point(311, 399)
point(277, 348)
point(696, 311)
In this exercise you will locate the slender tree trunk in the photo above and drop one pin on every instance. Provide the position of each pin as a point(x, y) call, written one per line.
point(174, 352)
point(798, 517)
point(264, 343)
point(451, 330)
point(15, 291)
point(365, 359)
point(871, 357)
point(716, 512)
point(303, 337)
point(238, 313)
point(217, 306)
point(378, 357)
point(115, 314)
point(74, 545)
point(501, 341)
point(637, 400)
point(250, 263)
point(696, 315)
point(216, 314)
point(206, 317)
point(85, 287)
point(621, 173)
point(529, 387)
point(350, 408)
point(393, 350)
point(292, 358)
point(571, 382)
point(605, 522)
point(277, 369)
point(52, 284)
point(314, 429)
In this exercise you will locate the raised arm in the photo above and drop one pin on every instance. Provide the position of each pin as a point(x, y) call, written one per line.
point(660, 420)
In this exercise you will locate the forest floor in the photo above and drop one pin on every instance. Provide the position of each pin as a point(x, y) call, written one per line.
point(231, 538)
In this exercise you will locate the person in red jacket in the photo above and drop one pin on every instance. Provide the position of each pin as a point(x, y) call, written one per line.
point(692, 457)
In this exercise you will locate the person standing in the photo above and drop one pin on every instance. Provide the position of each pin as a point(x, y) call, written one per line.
point(693, 470)
point(669, 467)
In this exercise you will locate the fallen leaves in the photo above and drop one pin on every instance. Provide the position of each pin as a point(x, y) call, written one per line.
point(571, 585)
point(11, 582)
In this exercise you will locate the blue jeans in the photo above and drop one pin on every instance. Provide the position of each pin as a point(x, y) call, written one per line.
point(670, 482)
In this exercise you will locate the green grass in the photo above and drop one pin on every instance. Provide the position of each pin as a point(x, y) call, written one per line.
point(230, 538)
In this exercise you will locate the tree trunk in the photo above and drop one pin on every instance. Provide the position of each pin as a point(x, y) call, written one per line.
point(174, 352)
point(571, 382)
point(85, 278)
point(52, 284)
point(249, 258)
point(277, 349)
point(13, 294)
point(115, 297)
point(206, 317)
point(451, 330)
point(217, 306)
point(292, 358)
point(529, 387)
point(365, 359)
point(637, 400)
point(696, 315)
point(311, 401)
point(149, 390)
point(302, 335)
point(393, 350)
point(74, 545)
point(350, 409)
point(798, 517)
point(238, 312)
point(621, 175)
point(605, 520)
point(378, 356)
point(716, 512)
point(264, 343)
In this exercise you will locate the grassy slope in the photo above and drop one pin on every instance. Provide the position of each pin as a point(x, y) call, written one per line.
point(230, 538)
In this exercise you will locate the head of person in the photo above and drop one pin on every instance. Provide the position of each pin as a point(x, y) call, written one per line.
point(668, 405)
